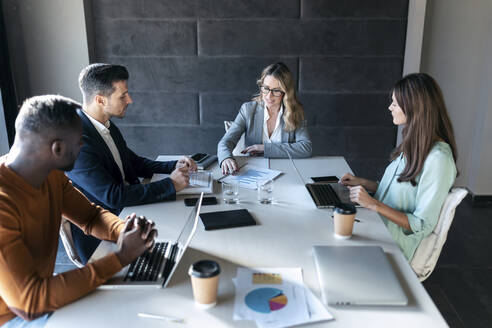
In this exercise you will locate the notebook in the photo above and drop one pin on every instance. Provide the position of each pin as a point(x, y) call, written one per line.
point(227, 219)
point(357, 275)
point(152, 269)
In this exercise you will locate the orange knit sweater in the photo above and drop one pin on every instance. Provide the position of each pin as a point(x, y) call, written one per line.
point(29, 226)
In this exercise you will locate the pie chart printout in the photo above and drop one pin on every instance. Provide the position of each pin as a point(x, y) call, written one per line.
point(265, 300)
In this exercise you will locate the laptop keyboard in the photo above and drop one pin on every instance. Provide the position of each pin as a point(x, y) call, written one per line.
point(323, 194)
point(146, 266)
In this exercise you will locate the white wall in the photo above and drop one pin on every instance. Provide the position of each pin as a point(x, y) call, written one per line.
point(413, 42)
point(47, 45)
point(457, 52)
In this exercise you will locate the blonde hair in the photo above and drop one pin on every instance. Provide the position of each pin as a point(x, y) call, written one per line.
point(293, 110)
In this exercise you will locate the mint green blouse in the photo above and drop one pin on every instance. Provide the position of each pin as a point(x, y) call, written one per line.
point(422, 203)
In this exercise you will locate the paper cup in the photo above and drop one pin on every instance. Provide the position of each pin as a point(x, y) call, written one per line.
point(344, 216)
point(205, 281)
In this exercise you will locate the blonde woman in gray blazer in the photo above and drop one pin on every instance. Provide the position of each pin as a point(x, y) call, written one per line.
point(273, 123)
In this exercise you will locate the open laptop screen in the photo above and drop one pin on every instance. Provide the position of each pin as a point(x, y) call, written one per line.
point(184, 237)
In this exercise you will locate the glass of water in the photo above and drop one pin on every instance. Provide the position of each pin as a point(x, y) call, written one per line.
point(265, 191)
point(230, 192)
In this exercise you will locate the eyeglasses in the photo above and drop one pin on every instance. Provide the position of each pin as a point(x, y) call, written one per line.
point(275, 92)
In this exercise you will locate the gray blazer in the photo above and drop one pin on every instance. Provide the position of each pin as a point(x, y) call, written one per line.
point(250, 122)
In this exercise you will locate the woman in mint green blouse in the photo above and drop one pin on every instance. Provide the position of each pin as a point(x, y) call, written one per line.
point(422, 169)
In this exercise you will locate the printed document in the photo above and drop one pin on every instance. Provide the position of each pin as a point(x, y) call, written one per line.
point(275, 298)
point(248, 175)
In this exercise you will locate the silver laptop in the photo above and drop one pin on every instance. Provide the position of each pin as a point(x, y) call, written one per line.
point(357, 275)
point(152, 269)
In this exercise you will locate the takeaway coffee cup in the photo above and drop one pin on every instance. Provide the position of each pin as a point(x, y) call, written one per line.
point(344, 215)
point(205, 281)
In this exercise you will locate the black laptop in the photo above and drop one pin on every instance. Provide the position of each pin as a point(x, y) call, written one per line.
point(329, 195)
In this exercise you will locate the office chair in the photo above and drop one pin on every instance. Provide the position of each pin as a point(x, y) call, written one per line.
point(68, 244)
point(240, 144)
point(425, 258)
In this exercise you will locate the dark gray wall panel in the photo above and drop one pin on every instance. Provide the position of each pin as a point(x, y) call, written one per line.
point(168, 74)
point(119, 37)
point(194, 73)
point(193, 63)
point(196, 8)
point(163, 108)
point(248, 9)
point(219, 107)
point(328, 141)
point(358, 146)
point(311, 37)
point(369, 142)
point(117, 9)
point(171, 140)
point(346, 109)
point(235, 74)
point(370, 168)
point(349, 74)
point(366, 142)
point(354, 8)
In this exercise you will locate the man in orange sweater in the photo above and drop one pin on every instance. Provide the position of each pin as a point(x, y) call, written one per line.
point(34, 194)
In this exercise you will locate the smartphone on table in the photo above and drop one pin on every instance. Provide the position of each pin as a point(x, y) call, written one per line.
point(329, 179)
point(205, 201)
point(199, 157)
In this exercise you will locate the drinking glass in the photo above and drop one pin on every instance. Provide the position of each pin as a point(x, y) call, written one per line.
point(230, 192)
point(265, 191)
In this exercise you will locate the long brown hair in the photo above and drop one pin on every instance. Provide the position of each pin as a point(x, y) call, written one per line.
point(422, 102)
point(293, 110)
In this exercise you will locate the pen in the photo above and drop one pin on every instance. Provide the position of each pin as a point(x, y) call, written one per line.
point(159, 317)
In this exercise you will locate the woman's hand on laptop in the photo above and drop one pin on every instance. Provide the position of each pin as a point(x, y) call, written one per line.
point(359, 195)
point(136, 237)
point(351, 180)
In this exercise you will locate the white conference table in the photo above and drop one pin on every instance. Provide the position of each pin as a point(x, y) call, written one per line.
point(283, 237)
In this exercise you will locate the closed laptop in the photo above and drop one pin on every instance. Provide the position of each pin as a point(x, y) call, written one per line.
point(357, 275)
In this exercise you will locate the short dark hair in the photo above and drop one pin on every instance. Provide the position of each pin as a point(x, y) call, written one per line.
point(47, 113)
point(98, 79)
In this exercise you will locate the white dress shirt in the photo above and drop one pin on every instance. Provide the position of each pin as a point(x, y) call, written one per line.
point(103, 130)
point(277, 133)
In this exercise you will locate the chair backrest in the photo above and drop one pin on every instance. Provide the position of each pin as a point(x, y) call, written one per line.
point(67, 240)
point(427, 253)
point(240, 144)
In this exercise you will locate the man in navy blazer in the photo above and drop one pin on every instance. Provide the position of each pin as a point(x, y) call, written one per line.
point(106, 170)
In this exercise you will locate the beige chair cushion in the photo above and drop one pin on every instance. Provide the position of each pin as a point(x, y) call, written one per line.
point(425, 258)
point(67, 240)
point(240, 144)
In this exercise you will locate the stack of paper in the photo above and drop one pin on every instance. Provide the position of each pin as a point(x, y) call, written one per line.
point(275, 298)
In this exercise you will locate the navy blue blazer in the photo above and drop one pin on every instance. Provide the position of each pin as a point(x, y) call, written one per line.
point(97, 175)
